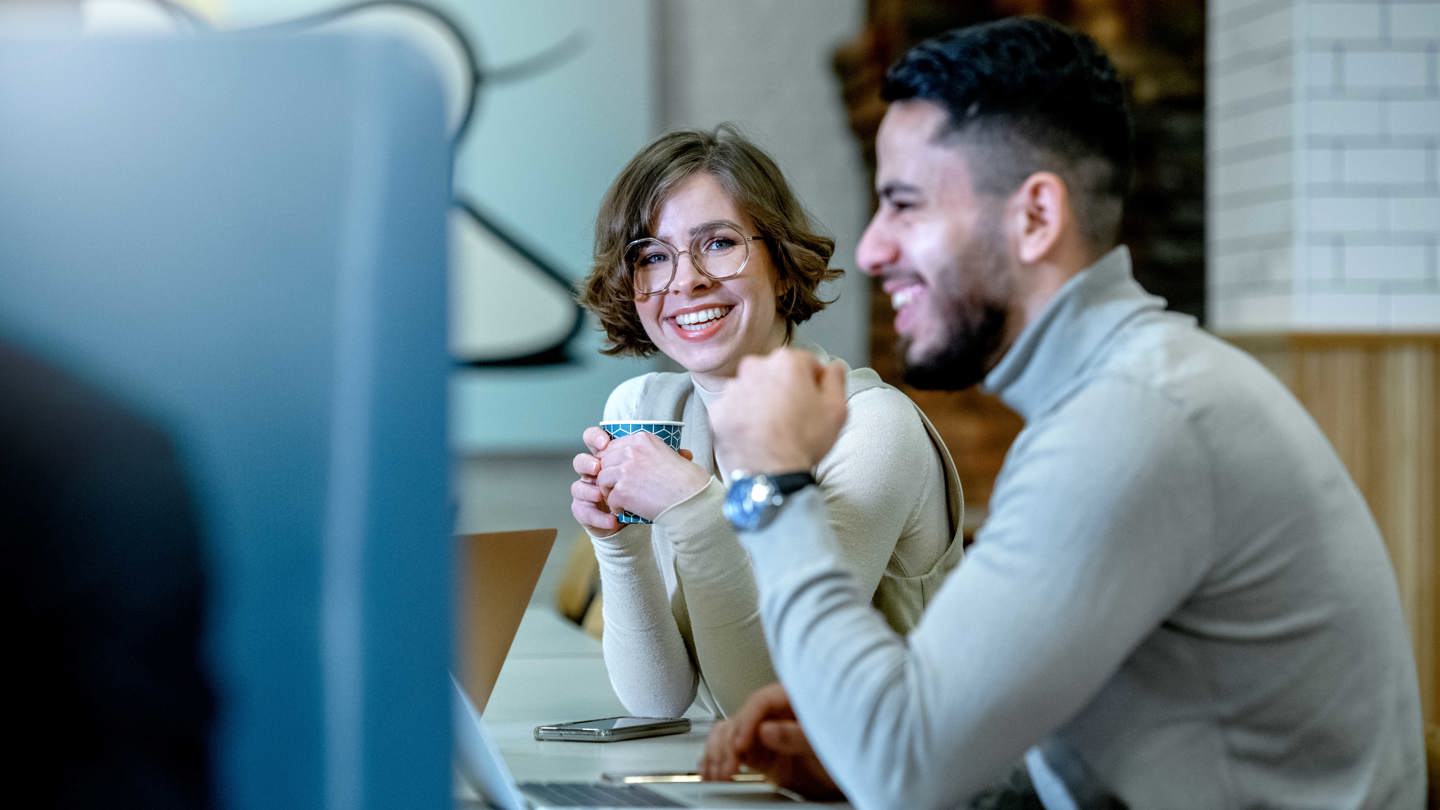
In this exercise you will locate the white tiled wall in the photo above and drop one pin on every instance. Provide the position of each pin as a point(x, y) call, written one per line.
point(1252, 170)
point(1324, 165)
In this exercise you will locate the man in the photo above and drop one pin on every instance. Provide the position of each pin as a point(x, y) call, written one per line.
point(1179, 598)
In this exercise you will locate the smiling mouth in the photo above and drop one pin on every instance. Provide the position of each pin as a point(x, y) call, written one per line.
point(702, 319)
point(903, 296)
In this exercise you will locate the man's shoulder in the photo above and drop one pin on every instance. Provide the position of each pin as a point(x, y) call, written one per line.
point(1169, 359)
point(1172, 390)
point(1141, 399)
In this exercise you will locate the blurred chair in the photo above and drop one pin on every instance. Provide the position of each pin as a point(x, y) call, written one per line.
point(578, 596)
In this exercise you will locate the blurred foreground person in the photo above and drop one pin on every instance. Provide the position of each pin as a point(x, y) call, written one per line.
point(104, 599)
point(1179, 599)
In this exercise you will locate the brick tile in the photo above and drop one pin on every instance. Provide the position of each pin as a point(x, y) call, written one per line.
point(1343, 310)
point(1415, 21)
point(1345, 214)
point(1385, 262)
point(1339, 117)
point(1413, 117)
point(1352, 20)
point(1389, 69)
point(1419, 311)
point(1400, 166)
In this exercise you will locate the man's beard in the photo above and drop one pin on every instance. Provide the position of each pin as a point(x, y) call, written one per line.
point(973, 321)
point(966, 355)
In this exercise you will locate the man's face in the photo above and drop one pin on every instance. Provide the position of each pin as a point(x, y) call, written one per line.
point(939, 250)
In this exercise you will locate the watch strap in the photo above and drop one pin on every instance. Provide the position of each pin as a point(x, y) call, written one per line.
point(786, 483)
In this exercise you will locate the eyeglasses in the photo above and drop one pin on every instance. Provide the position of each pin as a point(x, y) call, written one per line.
point(718, 250)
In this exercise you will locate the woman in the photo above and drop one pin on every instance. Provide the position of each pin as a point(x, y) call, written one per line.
point(703, 253)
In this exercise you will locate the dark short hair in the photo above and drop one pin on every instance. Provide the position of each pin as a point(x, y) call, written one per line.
point(1031, 95)
point(800, 255)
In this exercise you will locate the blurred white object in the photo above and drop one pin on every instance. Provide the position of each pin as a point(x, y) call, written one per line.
point(427, 33)
point(502, 304)
point(129, 17)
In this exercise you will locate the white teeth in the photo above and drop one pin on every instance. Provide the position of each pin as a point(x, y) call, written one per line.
point(699, 318)
point(901, 297)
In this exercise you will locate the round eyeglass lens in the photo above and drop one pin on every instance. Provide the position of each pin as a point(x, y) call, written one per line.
point(723, 251)
point(651, 264)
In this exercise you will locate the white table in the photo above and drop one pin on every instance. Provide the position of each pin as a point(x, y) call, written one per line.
point(555, 673)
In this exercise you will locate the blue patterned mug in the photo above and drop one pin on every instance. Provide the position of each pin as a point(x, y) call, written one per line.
point(669, 432)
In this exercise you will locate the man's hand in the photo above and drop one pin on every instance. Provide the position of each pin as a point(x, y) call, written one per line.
point(781, 413)
point(765, 736)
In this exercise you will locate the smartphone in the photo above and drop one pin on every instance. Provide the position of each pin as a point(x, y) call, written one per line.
point(613, 729)
point(682, 777)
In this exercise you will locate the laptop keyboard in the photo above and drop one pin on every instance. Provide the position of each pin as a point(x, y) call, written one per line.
point(580, 794)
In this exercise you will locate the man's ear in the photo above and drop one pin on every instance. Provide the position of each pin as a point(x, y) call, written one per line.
point(1041, 213)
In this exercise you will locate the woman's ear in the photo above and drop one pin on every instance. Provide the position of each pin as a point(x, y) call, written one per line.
point(1041, 211)
point(783, 286)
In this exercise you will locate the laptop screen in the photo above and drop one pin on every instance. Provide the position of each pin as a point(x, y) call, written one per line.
point(497, 572)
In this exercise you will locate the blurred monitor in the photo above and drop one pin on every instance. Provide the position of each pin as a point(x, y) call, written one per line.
point(243, 238)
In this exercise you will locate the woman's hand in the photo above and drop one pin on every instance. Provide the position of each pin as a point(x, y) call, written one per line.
point(587, 500)
point(641, 474)
point(650, 477)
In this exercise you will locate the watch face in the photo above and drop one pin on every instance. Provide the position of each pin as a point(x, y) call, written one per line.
point(749, 502)
point(753, 501)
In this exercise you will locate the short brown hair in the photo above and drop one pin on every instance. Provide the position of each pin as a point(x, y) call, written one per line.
point(801, 255)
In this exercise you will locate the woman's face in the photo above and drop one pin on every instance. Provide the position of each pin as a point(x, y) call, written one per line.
point(706, 325)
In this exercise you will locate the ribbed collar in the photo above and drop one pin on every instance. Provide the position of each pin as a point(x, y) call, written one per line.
point(1053, 351)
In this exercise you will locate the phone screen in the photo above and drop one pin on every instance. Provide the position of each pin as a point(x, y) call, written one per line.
point(618, 723)
point(608, 729)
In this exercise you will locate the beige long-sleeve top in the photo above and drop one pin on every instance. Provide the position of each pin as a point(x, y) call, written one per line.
point(681, 607)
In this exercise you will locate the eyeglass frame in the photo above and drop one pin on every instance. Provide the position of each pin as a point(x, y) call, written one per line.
point(698, 265)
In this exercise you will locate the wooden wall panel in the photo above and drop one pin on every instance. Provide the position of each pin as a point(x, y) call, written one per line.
point(1377, 397)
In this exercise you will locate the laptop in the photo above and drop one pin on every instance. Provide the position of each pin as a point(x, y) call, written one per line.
point(498, 572)
point(478, 760)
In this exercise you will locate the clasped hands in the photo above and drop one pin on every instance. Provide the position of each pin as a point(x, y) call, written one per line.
point(781, 413)
point(639, 474)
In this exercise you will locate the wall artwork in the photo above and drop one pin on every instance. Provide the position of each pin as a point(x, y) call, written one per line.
point(545, 102)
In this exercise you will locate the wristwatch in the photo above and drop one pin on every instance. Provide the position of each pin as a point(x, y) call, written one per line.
point(754, 500)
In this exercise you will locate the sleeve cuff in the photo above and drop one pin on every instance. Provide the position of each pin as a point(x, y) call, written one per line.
point(620, 538)
point(693, 517)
